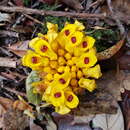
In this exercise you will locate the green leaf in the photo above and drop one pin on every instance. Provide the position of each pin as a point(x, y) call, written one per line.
point(32, 97)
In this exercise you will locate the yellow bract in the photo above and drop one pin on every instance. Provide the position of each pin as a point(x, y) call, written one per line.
point(67, 59)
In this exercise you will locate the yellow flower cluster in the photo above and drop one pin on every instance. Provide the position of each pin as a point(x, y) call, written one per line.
point(68, 60)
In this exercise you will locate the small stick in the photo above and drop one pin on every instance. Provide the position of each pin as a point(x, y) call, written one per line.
point(7, 62)
point(35, 20)
point(15, 92)
point(52, 13)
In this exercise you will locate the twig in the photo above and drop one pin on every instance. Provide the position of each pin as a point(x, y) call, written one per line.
point(118, 22)
point(7, 62)
point(15, 92)
point(52, 13)
point(35, 20)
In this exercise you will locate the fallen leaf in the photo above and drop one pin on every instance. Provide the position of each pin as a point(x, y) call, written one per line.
point(33, 126)
point(109, 122)
point(120, 8)
point(15, 120)
point(20, 48)
point(32, 97)
point(108, 53)
point(5, 104)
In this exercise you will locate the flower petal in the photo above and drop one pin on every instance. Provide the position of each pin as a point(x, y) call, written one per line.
point(88, 84)
point(94, 72)
point(71, 100)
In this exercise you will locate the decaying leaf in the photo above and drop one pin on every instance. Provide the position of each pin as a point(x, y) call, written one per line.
point(104, 99)
point(33, 98)
point(21, 105)
point(19, 48)
point(109, 122)
point(5, 104)
point(33, 126)
point(120, 8)
point(108, 53)
point(15, 120)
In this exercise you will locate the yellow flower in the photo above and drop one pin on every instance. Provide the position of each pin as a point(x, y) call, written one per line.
point(61, 61)
point(86, 44)
point(79, 74)
point(43, 48)
point(61, 81)
point(87, 59)
point(73, 41)
point(57, 97)
point(32, 60)
point(71, 100)
point(52, 31)
point(94, 72)
point(88, 84)
point(62, 110)
point(67, 31)
point(49, 77)
point(53, 64)
point(65, 60)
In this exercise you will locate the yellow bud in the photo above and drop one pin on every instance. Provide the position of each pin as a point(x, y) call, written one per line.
point(54, 46)
point(74, 59)
point(78, 90)
point(79, 74)
point(70, 62)
point(61, 61)
point(46, 82)
point(61, 52)
point(73, 68)
point(49, 77)
point(68, 56)
point(67, 68)
point(47, 69)
point(53, 64)
point(46, 61)
point(61, 69)
point(74, 82)
point(53, 71)
point(73, 74)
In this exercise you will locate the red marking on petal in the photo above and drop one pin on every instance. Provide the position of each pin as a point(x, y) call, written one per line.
point(67, 32)
point(73, 39)
point(57, 95)
point(62, 80)
point(34, 60)
point(85, 44)
point(86, 60)
point(44, 48)
point(70, 98)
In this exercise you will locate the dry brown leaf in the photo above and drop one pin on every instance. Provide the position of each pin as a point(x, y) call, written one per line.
point(20, 48)
point(33, 126)
point(121, 9)
point(15, 120)
point(5, 104)
point(21, 105)
point(108, 53)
